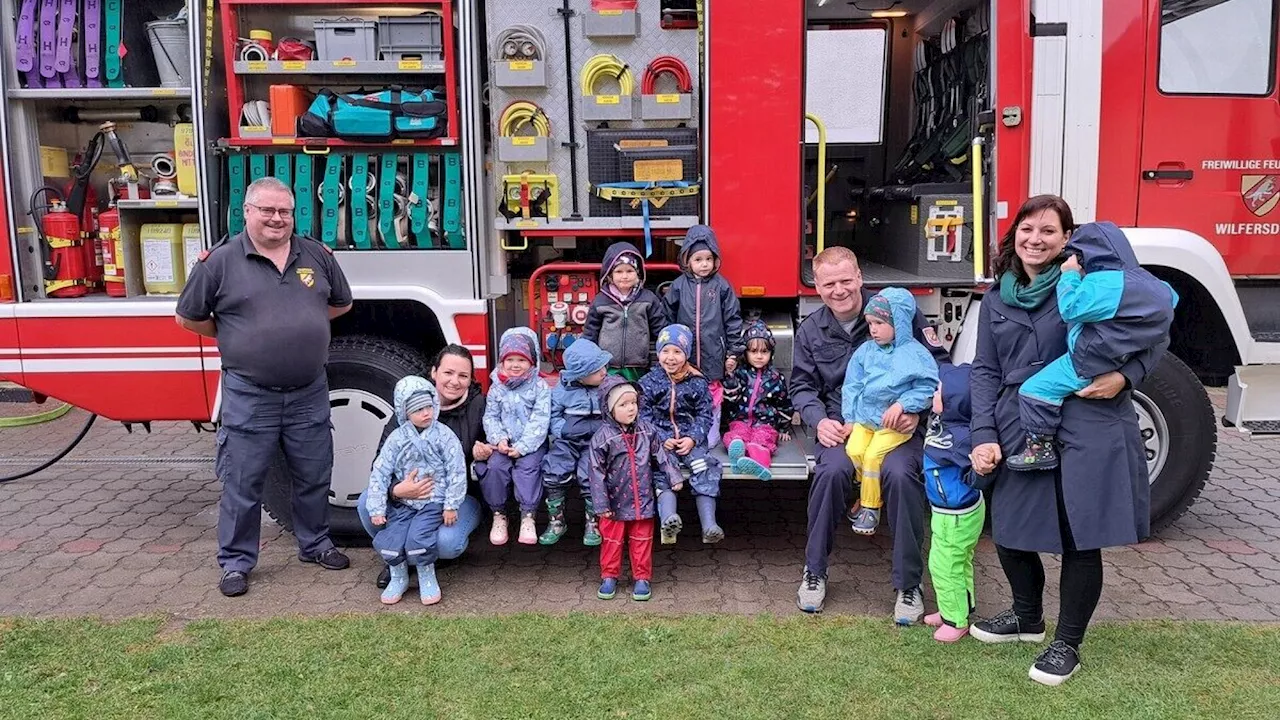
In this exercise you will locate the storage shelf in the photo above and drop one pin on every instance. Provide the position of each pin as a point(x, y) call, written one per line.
point(338, 67)
point(97, 93)
point(331, 2)
point(161, 203)
point(334, 142)
point(631, 224)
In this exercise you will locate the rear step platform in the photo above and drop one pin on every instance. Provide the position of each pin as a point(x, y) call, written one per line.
point(792, 461)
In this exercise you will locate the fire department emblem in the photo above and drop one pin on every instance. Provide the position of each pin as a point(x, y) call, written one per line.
point(307, 276)
point(1260, 193)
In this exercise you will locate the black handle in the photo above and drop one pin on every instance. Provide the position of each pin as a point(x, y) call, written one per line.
point(1167, 174)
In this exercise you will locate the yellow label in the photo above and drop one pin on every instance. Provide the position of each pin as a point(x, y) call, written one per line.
point(670, 99)
point(410, 64)
point(608, 99)
point(294, 64)
point(283, 141)
point(658, 170)
point(257, 66)
point(253, 128)
point(53, 162)
point(946, 203)
point(915, 215)
point(642, 143)
point(402, 141)
point(344, 63)
point(166, 204)
point(164, 92)
point(527, 224)
point(523, 141)
point(520, 65)
point(607, 13)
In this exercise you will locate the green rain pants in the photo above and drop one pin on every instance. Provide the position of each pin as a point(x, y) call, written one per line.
point(955, 537)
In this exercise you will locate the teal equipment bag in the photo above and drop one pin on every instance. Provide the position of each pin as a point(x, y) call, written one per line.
point(380, 115)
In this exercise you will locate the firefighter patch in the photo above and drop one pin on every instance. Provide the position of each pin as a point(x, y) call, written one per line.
point(931, 337)
point(307, 276)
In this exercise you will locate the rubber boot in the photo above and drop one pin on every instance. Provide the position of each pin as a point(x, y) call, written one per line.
point(591, 535)
point(1038, 454)
point(398, 583)
point(428, 588)
point(671, 522)
point(711, 532)
point(755, 463)
point(555, 522)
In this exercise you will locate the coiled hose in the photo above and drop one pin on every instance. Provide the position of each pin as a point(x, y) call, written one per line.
point(604, 66)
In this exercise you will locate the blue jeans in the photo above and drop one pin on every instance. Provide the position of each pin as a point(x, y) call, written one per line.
point(451, 540)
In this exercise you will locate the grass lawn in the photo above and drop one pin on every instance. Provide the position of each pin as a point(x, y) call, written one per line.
point(588, 666)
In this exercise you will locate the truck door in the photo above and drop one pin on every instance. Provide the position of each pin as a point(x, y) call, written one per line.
point(1211, 128)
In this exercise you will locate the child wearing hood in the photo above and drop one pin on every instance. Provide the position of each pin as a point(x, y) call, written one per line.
point(628, 467)
point(956, 501)
point(1114, 309)
point(422, 444)
point(624, 317)
point(675, 399)
point(890, 376)
point(516, 416)
point(703, 300)
point(756, 395)
point(575, 417)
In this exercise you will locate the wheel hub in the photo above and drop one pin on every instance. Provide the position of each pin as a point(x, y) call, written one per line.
point(359, 419)
point(1155, 434)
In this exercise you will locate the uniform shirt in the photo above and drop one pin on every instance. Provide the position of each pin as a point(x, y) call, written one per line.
point(273, 327)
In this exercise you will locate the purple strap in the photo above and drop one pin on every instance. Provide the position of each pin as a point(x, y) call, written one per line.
point(66, 26)
point(92, 42)
point(48, 40)
point(27, 36)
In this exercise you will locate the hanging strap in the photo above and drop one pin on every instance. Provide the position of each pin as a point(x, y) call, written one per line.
point(358, 203)
point(386, 200)
point(48, 40)
point(236, 175)
point(329, 200)
point(257, 166)
point(418, 198)
point(111, 53)
point(304, 195)
point(283, 166)
point(66, 26)
point(451, 201)
point(92, 43)
point(656, 193)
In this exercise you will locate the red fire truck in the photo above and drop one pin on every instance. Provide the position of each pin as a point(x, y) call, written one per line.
point(907, 130)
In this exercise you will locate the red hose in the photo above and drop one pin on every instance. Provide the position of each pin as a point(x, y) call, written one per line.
point(668, 64)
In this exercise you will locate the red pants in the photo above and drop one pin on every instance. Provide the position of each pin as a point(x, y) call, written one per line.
point(639, 535)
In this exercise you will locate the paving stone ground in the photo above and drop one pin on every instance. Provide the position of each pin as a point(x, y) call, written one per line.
point(126, 526)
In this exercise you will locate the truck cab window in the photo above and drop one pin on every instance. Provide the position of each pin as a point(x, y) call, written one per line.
point(1195, 60)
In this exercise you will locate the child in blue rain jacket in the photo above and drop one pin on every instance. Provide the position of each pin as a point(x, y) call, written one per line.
point(1114, 310)
point(431, 448)
point(892, 375)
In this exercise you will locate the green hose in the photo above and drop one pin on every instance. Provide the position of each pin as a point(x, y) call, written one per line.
point(44, 417)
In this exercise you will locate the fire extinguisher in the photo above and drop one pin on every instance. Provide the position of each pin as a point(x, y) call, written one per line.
point(112, 251)
point(65, 272)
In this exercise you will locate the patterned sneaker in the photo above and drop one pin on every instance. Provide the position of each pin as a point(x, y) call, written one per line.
point(1005, 628)
point(608, 588)
point(641, 591)
point(498, 533)
point(1038, 454)
point(812, 593)
point(1056, 664)
point(910, 606)
point(737, 449)
point(671, 527)
point(866, 521)
point(528, 530)
point(591, 533)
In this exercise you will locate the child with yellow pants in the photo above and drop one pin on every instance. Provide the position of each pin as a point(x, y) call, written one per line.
point(892, 375)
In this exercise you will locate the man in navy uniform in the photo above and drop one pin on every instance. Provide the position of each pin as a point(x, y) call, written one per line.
point(267, 296)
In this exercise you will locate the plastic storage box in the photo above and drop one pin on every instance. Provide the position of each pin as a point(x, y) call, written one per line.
point(419, 37)
point(346, 39)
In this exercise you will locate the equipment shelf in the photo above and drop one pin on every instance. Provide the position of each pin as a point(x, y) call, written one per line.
point(160, 203)
point(97, 93)
point(338, 67)
point(336, 143)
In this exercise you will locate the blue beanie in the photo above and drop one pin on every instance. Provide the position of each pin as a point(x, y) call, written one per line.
point(678, 335)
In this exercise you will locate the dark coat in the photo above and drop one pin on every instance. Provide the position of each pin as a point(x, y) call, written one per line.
point(772, 404)
point(625, 330)
point(466, 420)
point(627, 466)
point(692, 412)
point(707, 306)
point(1103, 473)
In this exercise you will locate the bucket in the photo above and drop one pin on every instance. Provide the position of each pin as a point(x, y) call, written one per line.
point(169, 46)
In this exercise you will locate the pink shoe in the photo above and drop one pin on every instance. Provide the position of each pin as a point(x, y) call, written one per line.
point(498, 533)
point(934, 620)
point(949, 634)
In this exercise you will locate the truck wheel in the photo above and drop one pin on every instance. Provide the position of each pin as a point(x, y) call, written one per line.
point(362, 372)
point(1176, 420)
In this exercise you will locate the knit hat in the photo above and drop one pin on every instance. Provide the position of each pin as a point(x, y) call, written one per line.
point(757, 330)
point(616, 393)
point(678, 335)
point(626, 258)
point(422, 397)
point(520, 344)
point(880, 308)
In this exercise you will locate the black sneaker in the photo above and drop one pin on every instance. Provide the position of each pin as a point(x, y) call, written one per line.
point(1056, 664)
point(233, 583)
point(1006, 627)
point(384, 577)
point(331, 559)
point(1037, 454)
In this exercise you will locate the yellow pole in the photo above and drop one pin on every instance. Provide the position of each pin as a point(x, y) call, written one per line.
point(979, 216)
point(822, 179)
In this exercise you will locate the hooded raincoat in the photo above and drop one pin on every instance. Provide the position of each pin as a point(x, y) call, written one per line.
point(903, 372)
point(624, 327)
point(576, 412)
point(628, 466)
point(707, 305)
point(433, 451)
point(521, 414)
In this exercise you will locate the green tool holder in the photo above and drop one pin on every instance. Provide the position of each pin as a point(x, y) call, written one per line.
point(111, 59)
point(257, 167)
point(282, 166)
point(304, 196)
point(236, 177)
point(418, 207)
point(386, 200)
point(451, 210)
point(357, 204)
point(329, 208)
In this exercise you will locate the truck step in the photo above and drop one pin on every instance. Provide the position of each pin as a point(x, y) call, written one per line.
point(1262, 427)
point(792, 461)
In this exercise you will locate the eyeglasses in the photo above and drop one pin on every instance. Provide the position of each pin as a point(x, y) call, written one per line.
point(270, 211)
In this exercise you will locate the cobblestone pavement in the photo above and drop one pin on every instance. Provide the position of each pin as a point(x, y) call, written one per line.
point(126, 527)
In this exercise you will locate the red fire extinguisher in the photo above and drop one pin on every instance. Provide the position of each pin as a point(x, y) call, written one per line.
point(112, 251)
point(65, 272)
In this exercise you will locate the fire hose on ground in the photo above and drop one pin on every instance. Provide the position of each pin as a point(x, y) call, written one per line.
point(17, 422)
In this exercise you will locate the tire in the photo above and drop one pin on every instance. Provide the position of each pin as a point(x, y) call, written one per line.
point(362, 373)
point(1176, 419)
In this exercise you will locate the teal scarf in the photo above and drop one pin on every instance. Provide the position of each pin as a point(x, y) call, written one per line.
point(1029, 297)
